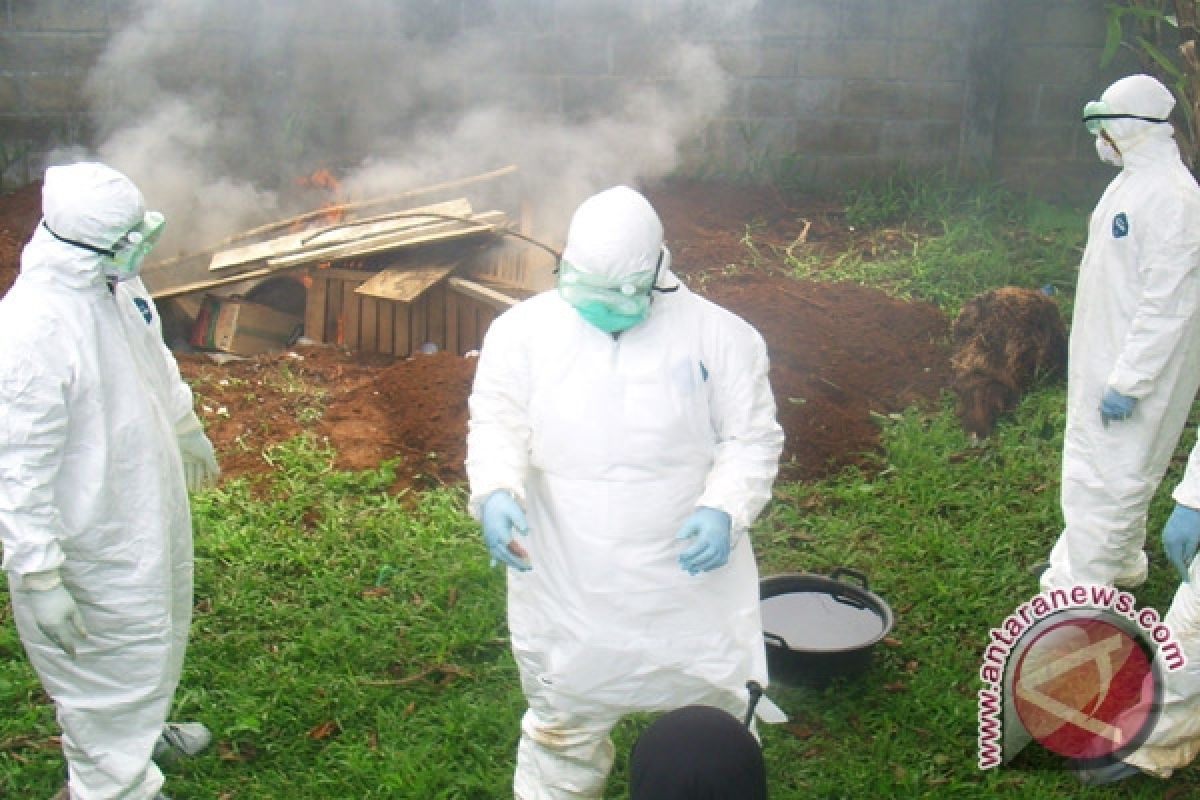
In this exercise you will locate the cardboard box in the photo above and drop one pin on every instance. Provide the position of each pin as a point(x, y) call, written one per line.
point(238, 326)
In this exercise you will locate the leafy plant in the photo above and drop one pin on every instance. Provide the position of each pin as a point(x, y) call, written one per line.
point(1162, 35)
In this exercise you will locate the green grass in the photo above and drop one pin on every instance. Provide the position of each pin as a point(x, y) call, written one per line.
point(946, 533)
point(931, 239)
point(349, 643)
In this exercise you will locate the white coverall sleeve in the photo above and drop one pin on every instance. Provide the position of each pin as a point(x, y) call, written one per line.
point(749, 438)
point(178, 401)
point(33, 432)
point(498, 432)
point(1167, 265)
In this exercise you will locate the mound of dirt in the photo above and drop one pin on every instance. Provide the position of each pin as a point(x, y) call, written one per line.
point(839, 352)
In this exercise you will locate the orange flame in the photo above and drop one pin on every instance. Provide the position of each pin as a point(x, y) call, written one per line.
point(321, 179)
point(334, 212)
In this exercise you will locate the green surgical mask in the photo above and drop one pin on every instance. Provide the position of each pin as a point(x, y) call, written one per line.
point(131, 249)
point(609, 321)
point(612, 305)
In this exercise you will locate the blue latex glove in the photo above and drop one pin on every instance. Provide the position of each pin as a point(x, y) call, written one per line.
point(501, 516)
point(711, 530)
point(1116, 406)
point(1181, 537)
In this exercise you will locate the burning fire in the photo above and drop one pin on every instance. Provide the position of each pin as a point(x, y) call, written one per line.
point(321, 179)
point(332, 211)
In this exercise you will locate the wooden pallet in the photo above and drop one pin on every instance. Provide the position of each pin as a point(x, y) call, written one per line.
point(452, 313)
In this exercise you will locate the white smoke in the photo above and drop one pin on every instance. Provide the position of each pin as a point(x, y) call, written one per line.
point(216, 108)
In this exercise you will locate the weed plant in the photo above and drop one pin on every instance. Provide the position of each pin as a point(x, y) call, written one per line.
point(351, 643)
point(931, 238)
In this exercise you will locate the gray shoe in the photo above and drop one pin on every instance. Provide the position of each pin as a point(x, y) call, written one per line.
point(1102, 776)
point(65, 794)
point(181, 740)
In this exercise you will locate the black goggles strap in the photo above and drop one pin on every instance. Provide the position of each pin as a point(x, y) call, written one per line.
point(1090, 117)
point(98, 250)
point(658, 268)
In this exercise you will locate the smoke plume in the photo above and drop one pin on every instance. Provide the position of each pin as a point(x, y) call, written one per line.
point(219, 108)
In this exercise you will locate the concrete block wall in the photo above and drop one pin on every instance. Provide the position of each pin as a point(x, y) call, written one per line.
point(851, 88)
point(839, 89)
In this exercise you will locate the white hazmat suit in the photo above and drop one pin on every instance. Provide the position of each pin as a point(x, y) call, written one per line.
point(92, 483)
point(610, 442)
point(1175, 740)
point(1135, 331)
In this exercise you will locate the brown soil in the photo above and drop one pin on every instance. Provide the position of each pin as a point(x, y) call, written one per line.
point(19, 215)
point(839, 353)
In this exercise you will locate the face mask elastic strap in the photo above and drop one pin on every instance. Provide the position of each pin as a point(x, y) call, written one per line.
point(84, 245)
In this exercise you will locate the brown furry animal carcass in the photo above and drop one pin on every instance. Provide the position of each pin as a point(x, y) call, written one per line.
point(1005, 340)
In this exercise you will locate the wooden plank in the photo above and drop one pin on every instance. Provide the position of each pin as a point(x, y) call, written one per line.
point(175, 290)
point(383, 326)
point(404, 284)
point(351, 315)
point(420, 322)
point(479, 224)
point(339, 233)
point(192, 275)
point(503, 286)
point(411, 221)
point(314, 307)
point(377, 201)
point(368, 324)
point(469, 332)
point(483, 317)
point(437, 315)
point(334, 332)
point(187, 273)
point(481, 293)
point(486, 316)
point(466, 310)
point(466, 330)
point(452, 304)
point(355, 276)
point(520, 263)
point(189, 306)
point(259, 251)
point(402, 341)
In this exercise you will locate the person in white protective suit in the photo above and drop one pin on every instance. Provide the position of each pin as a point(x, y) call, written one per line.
point(1175, 739)
point(98, 447)
point(1134, 359)
point(625, 429)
